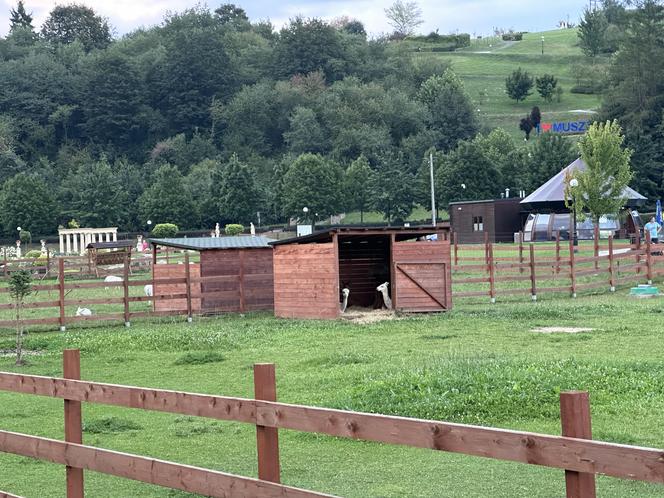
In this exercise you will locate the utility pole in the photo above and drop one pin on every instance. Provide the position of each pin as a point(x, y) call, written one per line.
point(433, 196)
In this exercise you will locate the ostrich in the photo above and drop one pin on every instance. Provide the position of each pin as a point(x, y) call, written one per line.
point(344, 304)
point(382, 288)
point(83, 312)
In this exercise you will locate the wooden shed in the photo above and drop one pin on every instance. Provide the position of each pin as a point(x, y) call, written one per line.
point(499, 218)
point(113, 253)
point(310, 271)
point(234, 274)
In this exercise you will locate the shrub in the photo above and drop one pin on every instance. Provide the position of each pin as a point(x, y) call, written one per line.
point(518, 84)
point(234, 229)
point(511, 36)
point(33, 254)
point(546, 86)
point(73, 224)
point(25, 237)
point(165, 230)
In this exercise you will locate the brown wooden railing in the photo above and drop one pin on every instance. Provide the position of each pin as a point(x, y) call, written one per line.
point(574, 451)
point(493, 270)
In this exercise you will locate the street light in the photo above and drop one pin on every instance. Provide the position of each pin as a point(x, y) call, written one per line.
point(542, 45)
point(573, 183)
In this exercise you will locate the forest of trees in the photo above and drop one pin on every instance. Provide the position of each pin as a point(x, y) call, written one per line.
point(210, 117)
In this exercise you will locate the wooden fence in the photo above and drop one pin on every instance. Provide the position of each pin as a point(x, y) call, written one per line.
point(491, 270)
point(81, 266)
point(575, 452)
point(122, 311)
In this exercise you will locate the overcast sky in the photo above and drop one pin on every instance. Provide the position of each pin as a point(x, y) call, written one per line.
point(474, 16)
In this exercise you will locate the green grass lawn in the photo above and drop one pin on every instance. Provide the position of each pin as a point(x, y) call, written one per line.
point(478, 364)
point(485, 65)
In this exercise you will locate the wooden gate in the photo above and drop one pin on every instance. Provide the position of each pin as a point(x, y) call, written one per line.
point(421, 276)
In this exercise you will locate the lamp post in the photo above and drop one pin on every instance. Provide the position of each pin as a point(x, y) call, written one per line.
point(573, 183)
point(542, 45)
point(149, 224)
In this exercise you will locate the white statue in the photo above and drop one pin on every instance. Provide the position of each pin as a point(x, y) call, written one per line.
point(18, 249)
point(43, 250)
point(216, 230)
point(253, 229)
point(139, 243)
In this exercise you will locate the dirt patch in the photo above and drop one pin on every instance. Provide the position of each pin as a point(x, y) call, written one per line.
point(561, 330)
point(366, 316)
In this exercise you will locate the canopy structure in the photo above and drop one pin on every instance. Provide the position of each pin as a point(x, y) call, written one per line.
point(551, 195)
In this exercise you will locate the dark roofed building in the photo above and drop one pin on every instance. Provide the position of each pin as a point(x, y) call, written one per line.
point(499, 218)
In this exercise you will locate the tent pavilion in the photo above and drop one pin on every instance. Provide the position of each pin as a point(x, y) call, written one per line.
point(548, 213)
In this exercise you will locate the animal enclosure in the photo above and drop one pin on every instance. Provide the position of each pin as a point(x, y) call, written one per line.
point(575, 451)
point(310, 272)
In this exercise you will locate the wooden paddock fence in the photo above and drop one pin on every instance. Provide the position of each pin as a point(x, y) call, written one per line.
point(81, 266)
point(187, 295)
point(574, 452)
point(492, 270)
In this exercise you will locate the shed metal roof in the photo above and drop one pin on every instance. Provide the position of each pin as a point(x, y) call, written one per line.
point(400, 232)
point(211, 243)
point(552, 193)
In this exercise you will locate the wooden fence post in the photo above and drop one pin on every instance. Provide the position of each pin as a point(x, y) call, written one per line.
point(187, 274)
point(572, 275)
point(558, 251)
point(612, 279)
point(520, 252)
point(48, 262)
point(61, 289)
point(267, 438)
point(486, 250)
point(4, 254)
point(575, 420)
point(492, 275)
point(71, 363)
point(649, 257)
point(596, 245)
point(638, 248)
point(533, 284)
point(456, 248)
point(125, 286)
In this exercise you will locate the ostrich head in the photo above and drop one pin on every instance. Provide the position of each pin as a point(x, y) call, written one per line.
point(345, 293)
point(383, 287)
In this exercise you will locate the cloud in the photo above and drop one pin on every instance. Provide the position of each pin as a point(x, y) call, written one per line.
point(474, 16)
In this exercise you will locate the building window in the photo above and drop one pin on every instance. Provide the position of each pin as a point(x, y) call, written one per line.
point(478, 224)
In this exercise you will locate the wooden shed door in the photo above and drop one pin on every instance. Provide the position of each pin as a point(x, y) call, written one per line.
point(422, 277)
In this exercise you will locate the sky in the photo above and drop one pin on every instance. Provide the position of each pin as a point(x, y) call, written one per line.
point(477, 17)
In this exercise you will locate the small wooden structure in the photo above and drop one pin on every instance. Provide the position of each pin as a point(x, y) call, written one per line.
point(310, 271)
point(108, 253)
point(234, 274)
point(499, 218)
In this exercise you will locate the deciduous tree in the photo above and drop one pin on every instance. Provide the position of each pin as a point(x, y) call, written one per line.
point(404, 17)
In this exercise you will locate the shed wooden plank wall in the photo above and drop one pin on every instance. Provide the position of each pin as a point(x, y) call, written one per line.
point(306, 282)
point(364, 264)
point(249, 286)
point(428, 263)
point(176, 271)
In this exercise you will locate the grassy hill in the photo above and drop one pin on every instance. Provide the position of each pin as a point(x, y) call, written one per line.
point(487, 62)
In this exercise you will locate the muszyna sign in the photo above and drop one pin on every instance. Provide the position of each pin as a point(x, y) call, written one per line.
point(567, 126)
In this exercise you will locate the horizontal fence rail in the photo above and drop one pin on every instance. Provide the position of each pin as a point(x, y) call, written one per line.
point(181, 291)
point(574, 451)
point(491, 270)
